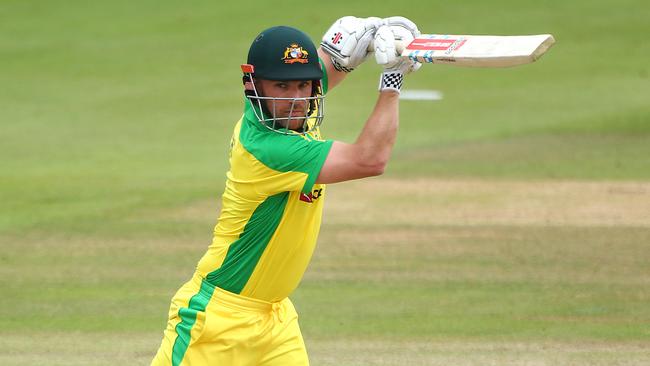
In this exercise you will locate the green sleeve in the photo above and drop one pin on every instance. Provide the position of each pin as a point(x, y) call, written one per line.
point(294, 153)
point(288, 153)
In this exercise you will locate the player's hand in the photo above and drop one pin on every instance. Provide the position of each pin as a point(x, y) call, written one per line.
point(394, 67)
point(388, 50)
point(347, 41)
point(404, 31)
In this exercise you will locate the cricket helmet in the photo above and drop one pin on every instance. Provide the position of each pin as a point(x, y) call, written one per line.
point(284, 53)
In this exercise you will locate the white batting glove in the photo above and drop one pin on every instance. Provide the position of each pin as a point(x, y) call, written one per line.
point(404, 31)
point(394, 66)
point(347, 41)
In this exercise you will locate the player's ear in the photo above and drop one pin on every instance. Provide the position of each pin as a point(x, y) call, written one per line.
point(248, 82)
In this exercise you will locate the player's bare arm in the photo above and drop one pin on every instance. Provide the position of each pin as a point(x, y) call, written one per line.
point(369, 154)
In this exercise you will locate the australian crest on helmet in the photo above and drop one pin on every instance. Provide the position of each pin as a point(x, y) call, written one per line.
point(295, 53)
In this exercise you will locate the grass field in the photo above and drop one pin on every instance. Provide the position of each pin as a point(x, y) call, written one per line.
point(511, 228)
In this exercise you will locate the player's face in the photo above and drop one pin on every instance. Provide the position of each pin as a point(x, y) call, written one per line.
point(287, 108)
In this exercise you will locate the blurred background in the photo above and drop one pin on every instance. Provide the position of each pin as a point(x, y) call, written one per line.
point(512, 225)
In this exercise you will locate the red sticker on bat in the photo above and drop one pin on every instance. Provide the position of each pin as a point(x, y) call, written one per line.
point(428, 44)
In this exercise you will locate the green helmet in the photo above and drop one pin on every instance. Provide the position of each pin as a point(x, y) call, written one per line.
point(284, 53)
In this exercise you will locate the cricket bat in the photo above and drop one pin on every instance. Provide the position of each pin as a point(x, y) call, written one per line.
point(476, 51)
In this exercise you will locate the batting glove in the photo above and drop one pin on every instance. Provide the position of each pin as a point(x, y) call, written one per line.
point(404, 31)
point(347, 41)
point(394, 66)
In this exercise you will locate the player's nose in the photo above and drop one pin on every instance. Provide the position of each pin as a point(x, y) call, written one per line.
point(295, 92)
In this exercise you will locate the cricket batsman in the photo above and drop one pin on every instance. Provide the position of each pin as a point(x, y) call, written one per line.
point(235, 309)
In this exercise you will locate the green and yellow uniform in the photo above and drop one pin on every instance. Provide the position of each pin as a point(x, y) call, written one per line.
point(263, 241)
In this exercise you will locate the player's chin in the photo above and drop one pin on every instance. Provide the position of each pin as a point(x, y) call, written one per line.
point(294, 120)
point(295, 123)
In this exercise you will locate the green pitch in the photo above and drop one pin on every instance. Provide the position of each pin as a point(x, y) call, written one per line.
point(512, 226)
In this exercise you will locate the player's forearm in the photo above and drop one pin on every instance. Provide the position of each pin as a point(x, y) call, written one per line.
point(334, 77)
point(375, 143)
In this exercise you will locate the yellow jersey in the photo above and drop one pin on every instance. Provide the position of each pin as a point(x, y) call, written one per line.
point(270, 214)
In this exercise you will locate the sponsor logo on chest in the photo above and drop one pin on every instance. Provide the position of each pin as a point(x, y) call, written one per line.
point(312, 196)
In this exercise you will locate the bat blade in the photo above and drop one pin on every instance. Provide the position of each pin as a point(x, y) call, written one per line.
point(478, 51)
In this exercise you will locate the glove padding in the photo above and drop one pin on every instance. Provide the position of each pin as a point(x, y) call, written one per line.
point(388, 51)
point(403, 29)
point(347, 41)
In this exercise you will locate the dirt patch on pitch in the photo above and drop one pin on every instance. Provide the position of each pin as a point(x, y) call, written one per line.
point(437, 352)
point(416, 202)
point(479, 202)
